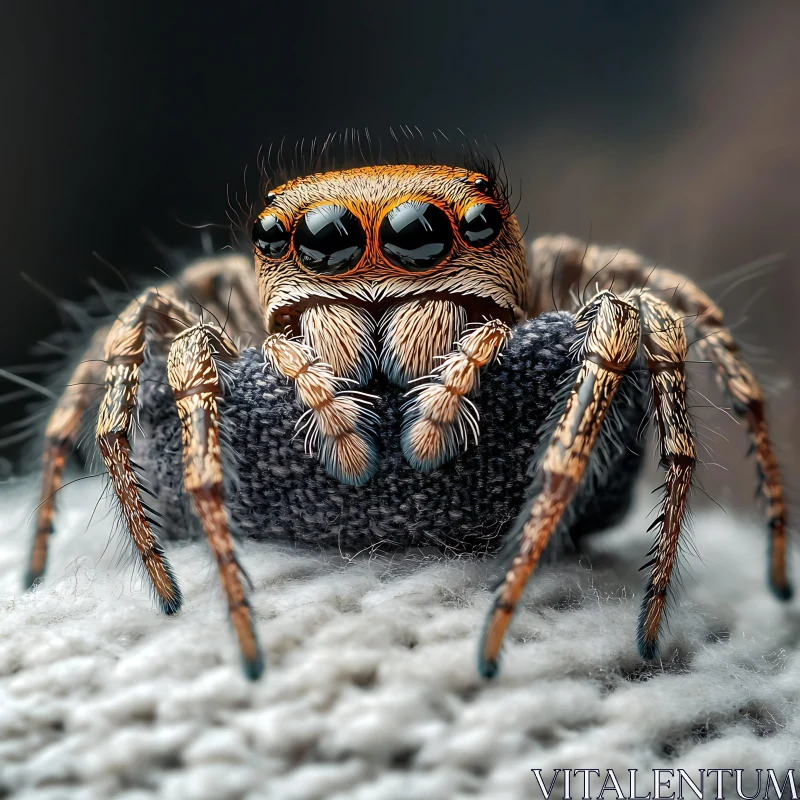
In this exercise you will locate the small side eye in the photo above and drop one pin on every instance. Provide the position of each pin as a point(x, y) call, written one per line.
point(416, 235)
point(270, 237)
point(329, 240)
point(480, 224)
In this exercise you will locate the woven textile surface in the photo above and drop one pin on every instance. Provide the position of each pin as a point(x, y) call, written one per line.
point(371, 689)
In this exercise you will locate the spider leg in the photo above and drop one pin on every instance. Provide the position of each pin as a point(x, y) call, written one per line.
point(124, 353)
point(341, 422)
point(60, 436)
point(664, 345)
point(437, 418)
point(738, 382)
point(561, 263)
point(609, 330)
point(193, 372)
point(223, 287)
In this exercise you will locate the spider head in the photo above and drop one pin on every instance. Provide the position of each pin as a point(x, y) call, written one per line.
point(437, 246)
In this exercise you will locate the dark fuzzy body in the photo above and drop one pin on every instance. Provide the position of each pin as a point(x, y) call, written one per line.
point(280, 492)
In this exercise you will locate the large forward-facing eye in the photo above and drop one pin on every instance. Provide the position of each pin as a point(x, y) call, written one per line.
point(480, 224)
point(416, 235)
point(270, 237)
point(329, 240)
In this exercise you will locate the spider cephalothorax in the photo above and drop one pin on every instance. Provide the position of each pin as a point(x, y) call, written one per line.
point(369, 238)
point(414, 275)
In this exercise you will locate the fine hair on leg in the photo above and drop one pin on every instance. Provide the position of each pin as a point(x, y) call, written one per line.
point(196, 360)
point(608, 329)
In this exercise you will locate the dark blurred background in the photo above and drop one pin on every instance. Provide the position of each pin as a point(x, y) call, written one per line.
point(671, 128)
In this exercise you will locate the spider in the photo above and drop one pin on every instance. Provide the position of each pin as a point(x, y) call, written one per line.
point(411, 279)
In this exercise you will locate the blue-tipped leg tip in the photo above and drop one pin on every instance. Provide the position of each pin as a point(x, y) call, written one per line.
point(171, 605)
point(331, 464)
point(488, 669)
point(253, 668)
point(783, 593)
point(648, 651)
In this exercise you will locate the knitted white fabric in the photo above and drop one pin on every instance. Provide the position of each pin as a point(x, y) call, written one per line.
point(371, 690)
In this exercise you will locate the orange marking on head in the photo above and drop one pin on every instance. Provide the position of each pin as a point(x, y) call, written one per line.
point(490, 269)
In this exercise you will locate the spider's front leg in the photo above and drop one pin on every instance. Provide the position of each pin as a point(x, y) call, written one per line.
point(609, 331)
point(562, 264)
point(124, 354)
point(224, 286)
point(193, 369)
point(340, 424)
point(665, 348)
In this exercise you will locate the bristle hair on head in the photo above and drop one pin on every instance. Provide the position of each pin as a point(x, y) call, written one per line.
point(354, 147)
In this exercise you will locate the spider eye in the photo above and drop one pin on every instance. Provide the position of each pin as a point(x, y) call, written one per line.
point(416, 235)
point(480, 224)
point(329, 240)
point(270, 237)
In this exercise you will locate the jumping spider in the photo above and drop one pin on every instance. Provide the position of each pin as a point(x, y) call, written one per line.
point(412, 276)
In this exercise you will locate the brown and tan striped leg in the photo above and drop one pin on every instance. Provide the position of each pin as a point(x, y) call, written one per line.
point(737, 381)
point(715, 343)
point(193, 373)
point(439, 415)
point(224, 289)
point(60, 437)
point(124, 353)
point(341, 423)
point(563, 264)
point(664, 345)
point(223, 286)
point(735, 378)
point(609, 328)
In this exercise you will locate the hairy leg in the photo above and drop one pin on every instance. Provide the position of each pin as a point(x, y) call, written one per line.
point(609, 330)
point(124, 353)
point(562, 265)
point(60, 437)
point(193, 371)
point(664, 345)
point(223, 290)
point(222, 287)
point(738, 382)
